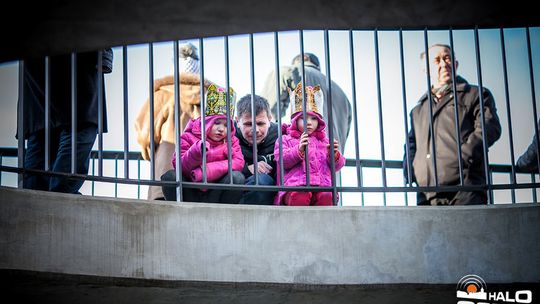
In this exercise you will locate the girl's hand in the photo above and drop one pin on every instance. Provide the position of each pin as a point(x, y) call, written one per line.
point(336, 149)
point(303, 143)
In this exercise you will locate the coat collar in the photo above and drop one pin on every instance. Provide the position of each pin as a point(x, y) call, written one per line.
point(461, 86)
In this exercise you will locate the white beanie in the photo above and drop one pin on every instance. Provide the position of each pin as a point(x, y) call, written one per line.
point(189, 60)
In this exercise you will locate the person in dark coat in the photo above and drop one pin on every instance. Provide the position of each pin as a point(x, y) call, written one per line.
point(60, 117)
point(444, 134)
point(266, 136)
point(528, 161)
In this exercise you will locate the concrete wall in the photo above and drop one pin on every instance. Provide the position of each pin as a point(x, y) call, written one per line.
point(326, 245)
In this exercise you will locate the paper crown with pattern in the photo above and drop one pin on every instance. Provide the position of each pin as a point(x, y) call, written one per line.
point(314, 99)
point(216, 101)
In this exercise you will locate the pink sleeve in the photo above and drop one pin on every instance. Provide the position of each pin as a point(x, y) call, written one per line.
point(237, 156)
point(291, 154)
point(191, 154)
point(216, 170)
point(340, 162)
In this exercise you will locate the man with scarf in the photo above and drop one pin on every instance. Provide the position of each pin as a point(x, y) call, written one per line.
point(445, 139)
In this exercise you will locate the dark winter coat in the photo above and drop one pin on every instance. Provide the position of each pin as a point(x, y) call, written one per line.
point(445, 139)
point(265, 150)
point(60, 91)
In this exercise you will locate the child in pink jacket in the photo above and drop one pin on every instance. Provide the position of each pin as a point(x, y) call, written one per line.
point(217, 166)
point(295, 140)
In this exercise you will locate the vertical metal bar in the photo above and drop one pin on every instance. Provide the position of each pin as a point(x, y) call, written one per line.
point(139, 177)
point(433, 154)
point(203, 109)
point(151, 96)
point(304, 115)
point(100, 111)
point(47, 113)
point(116, 175)
point(379, 105)
point(278, 102)
point(126, 110)
point(405, 116)
point(362, 196)
point(1, 161)
point(535, 113)
point(355, 110)
point(456, 107)
point(330, 120)
point(93, 173)
point(533, 180)
point(20, 124)
point(177, 126)
point(253, 114)
point(73, 113)
point(227, 88)
point(508, 117)
point(483, 120)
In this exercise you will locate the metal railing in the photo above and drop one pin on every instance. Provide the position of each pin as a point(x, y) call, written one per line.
point(357, 162)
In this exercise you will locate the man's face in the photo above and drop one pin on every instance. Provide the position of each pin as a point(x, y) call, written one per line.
point(246, 126)
point(440, 64)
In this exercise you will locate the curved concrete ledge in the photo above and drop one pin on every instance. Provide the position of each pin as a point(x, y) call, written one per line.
point(69, 234)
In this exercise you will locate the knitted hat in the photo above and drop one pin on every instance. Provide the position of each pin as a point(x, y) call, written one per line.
point(314, 103)
point(216, 101)
point(189, 60)
point(308, 57)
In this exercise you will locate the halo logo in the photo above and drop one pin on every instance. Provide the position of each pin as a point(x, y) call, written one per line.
point(471, 287)
point(474, 289)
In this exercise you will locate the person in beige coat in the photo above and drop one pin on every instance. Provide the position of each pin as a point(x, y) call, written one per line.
point(164, 135)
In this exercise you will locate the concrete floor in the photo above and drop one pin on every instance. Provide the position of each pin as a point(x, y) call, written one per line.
point(32, 287)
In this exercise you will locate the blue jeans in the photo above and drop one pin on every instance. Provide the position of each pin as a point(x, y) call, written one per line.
point(259, 197)
point(60, 158)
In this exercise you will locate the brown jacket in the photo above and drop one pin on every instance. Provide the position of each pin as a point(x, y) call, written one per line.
point(164, 136)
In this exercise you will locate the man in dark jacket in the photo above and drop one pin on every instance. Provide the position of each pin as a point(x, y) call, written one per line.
point(60, 117)
point(444, 134)
point(528, 161)
point(266, 134)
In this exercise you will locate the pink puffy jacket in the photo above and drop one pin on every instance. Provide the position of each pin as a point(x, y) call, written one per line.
point(216, 155)
point(294, 173)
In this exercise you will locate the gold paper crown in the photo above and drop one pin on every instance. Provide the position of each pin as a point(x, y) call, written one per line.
point(216, 101)
point(314, 101)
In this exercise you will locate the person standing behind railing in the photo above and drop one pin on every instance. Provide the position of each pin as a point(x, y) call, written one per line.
point(60, 130)
point(295, 140)
point(215, 144)
point(444, 134)
point(528, 161)
point(164, 139)
point(266, 135)
point(290, 77)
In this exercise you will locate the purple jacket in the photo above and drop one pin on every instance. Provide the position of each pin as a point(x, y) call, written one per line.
point(294, 173)
point(217, 164)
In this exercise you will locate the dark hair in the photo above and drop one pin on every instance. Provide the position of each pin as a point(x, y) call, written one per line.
point(244, 105)
point(308, 57)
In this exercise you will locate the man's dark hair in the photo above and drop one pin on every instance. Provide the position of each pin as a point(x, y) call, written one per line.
point(308, 57)
point(244, 105)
